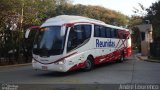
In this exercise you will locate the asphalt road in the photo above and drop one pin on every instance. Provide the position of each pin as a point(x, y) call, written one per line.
point(130, 71)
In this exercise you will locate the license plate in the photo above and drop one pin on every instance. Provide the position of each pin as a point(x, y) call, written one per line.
point(44, 67)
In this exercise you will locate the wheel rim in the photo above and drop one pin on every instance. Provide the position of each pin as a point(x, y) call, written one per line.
point(88, 64)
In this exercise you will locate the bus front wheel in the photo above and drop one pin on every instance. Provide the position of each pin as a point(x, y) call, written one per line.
point(89, 64)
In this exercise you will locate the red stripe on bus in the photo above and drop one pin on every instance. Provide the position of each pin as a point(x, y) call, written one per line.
point(108, 57)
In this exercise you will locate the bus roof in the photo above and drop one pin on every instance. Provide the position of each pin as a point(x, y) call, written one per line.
point(64, 19)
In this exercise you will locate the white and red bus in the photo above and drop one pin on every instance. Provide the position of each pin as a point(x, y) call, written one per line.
point(64, 43)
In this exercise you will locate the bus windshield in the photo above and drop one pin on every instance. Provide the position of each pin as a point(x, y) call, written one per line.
point(49, 41)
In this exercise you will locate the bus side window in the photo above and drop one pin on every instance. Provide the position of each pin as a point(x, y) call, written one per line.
point(87, 32)
point(123, 36)
point(72, 39)
point(77, 35)
point(102, 31)
point(96, 31)
point(108, 32)
point(116, 33)
point(99, 31)
point(112, 33)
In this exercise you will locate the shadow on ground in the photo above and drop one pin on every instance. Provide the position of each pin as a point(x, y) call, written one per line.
point(80, 71)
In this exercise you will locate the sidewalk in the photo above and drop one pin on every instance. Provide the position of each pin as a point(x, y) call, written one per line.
point(145, 58)
point(15, 65)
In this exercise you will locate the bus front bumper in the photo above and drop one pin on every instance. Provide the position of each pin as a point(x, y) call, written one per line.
point(49, 67)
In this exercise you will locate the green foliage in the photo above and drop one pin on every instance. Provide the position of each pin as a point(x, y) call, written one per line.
point(34, 12)
point(135, 20)
point(154, 16)
point(96, 12)
point(26, 13)
point(136, 40)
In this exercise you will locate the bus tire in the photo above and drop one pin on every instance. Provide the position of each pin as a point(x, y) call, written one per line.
point(89, 64)
point(122, 58)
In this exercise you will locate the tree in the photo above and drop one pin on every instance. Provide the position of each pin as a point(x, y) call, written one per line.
point(95, 12)
point(154, 16)
point(135, 20)
point(17, 15)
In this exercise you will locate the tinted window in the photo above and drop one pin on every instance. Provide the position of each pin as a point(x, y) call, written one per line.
point(112, 33)
point(102, 32)
point(79, 32)
point(78, 35)
point(49, 41)
point(108, 32)
point(118, 34)
point(96, 31)
point(99, 31)
point(122, 34)
point(115, 33)
point(87, 30)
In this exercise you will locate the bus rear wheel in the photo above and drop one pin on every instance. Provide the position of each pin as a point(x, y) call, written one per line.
point(89, 64)
point(122, 58)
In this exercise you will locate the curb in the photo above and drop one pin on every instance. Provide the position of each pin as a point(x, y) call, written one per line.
point(149, 60)
point(139, 57)
point(16, 65)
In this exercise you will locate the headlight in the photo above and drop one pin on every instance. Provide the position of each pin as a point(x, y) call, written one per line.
point(60, 62)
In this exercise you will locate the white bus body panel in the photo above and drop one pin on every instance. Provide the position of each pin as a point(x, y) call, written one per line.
point(76, 58)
